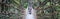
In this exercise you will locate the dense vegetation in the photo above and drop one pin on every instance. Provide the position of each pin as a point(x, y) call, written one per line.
point(45, 9)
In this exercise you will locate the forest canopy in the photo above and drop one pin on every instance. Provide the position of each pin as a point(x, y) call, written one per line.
point(45, 9)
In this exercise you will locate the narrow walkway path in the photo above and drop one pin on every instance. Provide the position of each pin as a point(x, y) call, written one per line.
point(29, 13)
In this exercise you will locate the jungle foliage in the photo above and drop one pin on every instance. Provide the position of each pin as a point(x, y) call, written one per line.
point(14, 9)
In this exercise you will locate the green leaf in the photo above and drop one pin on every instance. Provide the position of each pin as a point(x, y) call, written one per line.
point(42, 0)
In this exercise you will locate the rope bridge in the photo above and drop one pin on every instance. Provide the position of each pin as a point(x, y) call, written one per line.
point(29, 11)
